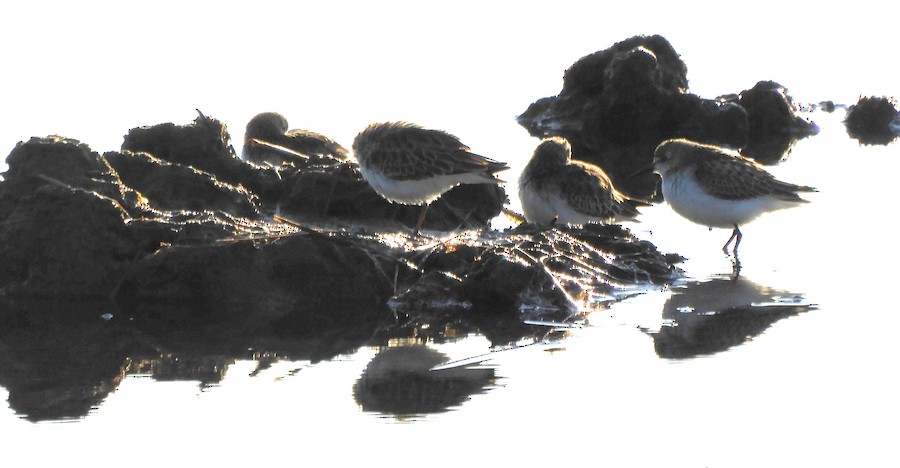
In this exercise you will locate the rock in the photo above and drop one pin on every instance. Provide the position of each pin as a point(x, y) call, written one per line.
point(176, 187)
point(540, 272)
point(62, 229)
point(297, 284)
point(70, 225)
point(118, 209)
point(618, 104)
point(64, 242)
point(628, 60)
point(774, 125)
point(205, 145)
point(56, 160)
point(311, 279)
point(172, 269)
point(873, 120)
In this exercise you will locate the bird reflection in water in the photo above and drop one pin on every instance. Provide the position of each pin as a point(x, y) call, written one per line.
point(410, 380)
point(702, 318)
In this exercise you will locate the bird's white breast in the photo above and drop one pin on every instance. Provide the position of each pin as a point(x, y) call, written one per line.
point(418, 191)
point(689, 199)
point(541, 207)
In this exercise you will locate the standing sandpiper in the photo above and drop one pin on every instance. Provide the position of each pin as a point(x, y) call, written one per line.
point(715, 187)
point(554, 188)
point(411, 165)
point(268, 142)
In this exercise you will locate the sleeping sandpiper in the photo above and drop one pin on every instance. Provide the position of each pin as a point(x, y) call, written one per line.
point(269, 143)
point(411, 165)
point(716, 187)
point(554, 188)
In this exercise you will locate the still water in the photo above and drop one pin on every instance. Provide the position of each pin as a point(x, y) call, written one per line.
point(651, 380)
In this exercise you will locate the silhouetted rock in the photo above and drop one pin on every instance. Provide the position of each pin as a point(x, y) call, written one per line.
point(181, 258)
point(294, 285)
point(873, 120)
point(64, 243)
point(62, 229)
point(774, 124)
point(122, 206)
point(59, 161)
point(626, 61)
point(537, 271)
point(205, 145)
point(176, 187)
point(618, 104)
point(827, 106)
point(70, 225)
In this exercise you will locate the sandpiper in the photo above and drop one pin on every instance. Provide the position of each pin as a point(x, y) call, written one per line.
point(411, 165)
point(716, 187)
point(554, 188)
point(268, 142)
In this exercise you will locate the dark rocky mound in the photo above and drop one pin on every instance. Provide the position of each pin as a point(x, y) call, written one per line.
point(135, 262)
point(873, 120)
point(618, 104)
point(169, 187)
point(204, 145)
point(126, 211)
point(71, 227)
point(63, 228)
point(774, 124)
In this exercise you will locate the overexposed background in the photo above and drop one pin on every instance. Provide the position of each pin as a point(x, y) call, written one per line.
point(93, 70)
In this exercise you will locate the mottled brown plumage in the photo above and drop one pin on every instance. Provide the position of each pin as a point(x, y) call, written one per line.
point(734, 177)
point(268, 142)
point(715, 187)
point(405, 151)
point(411, 165)
point(554, 187)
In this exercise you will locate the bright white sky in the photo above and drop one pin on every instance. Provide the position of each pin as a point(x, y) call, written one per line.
point(93, 70)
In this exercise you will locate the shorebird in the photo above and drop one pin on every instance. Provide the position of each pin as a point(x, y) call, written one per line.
point(715, 187)
point(411, 165)
point(554, 188)
point(268, 142)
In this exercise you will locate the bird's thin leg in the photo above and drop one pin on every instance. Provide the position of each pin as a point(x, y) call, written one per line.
point(735, 235)
point(725, 247)
point(421, 220)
